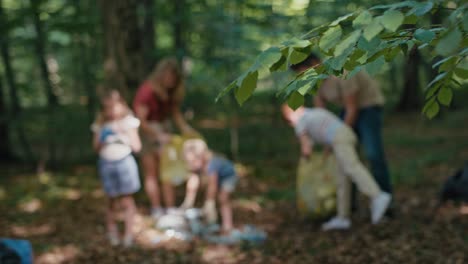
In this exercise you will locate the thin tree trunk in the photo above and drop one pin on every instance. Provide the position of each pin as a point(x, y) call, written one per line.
point(179, 15)
point(15, 108)
point(5, 52)
point(52, 101)
point(148, 35)
point(5, 150)
point(40, 53)
point(410, 98)
point(123, 46)
point(83, 69)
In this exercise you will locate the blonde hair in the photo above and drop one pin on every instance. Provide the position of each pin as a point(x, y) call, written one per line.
point(155, 78)
point(197, 147)
point(110, 94)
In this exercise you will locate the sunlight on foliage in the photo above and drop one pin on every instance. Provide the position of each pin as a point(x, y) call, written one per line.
point(368, 39)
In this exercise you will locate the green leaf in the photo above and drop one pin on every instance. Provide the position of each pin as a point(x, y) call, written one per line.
point(411, 20)
point(448, 65)
point(465, 23)
point(338, 62)
point(295, 100)
point(437, 78)
point(445, 96)
point(226, 90)
point(347, 43)
point(431, 109)
point(296, 56)
point(296, 43)
point(330, 38)
point(341, 19)
point(430, 91)
point(369, 46)
point(396, 5)
point(449, 43)
point(267, 58)
point(372, 30)
point(357, 54)
point(424, 35)
point(352, 73)
point(392, 53)
point(375, 66)
point(280, 65)
point(364, 19)
point(462, 73)
point(421, 9)
point(246, 87)
point(392, 19)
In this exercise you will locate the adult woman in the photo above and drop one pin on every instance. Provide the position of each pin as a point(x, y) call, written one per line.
point(157, 101)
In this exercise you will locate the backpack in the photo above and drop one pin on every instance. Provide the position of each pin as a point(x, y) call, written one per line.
point(8, 255)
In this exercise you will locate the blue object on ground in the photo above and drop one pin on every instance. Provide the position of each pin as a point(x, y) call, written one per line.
point(21, 247)
point(249, 234)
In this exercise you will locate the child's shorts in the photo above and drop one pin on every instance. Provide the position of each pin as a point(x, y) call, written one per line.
point(228, 184)
point(119, 177)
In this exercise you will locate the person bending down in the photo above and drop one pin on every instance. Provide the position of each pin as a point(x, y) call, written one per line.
point(316, 125)
point(222, 179)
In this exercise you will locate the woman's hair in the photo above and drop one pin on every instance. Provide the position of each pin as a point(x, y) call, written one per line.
point(155, 78)
point(110, 94)
point(196, 147)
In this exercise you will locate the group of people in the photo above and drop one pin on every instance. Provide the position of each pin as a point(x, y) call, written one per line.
point(120, 131)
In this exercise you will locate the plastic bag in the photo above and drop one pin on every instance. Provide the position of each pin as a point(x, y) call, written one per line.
point(316, 187)
point(173, 168)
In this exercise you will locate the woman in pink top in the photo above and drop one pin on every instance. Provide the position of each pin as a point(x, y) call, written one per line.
point(156, 103)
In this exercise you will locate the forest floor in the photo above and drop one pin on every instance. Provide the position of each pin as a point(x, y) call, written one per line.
point(62, 213)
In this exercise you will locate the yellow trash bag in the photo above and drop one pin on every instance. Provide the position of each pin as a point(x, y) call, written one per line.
point(316, 187)
point(173, 168)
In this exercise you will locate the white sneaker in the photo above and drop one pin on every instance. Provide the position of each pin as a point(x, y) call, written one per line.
point(336, 223)
point(379, 205)
point(157, 212)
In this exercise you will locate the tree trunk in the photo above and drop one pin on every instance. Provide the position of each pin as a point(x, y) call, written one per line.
point(5, 151)
point(40, 53)
point(84, 76)
point(5, 52)
point(179, 15)
point(148, 35)
point(124, 66)
point(410, 98)
point(15, 108)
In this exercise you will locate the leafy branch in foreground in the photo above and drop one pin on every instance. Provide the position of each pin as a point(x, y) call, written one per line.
point(366, 40)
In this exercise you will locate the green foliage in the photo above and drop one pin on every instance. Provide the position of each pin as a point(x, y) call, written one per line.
point(370, 38)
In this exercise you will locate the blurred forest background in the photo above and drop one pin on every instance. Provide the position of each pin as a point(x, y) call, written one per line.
point(56, 54)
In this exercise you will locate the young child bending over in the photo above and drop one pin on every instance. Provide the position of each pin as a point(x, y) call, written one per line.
point(115, 138)
point(222, 180)
point(315, 125)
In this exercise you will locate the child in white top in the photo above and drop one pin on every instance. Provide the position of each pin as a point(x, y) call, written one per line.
point(115, 138)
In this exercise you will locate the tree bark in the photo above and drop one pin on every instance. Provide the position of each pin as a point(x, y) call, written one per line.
point(124, 65)
point(410, 98)
point(40, 53)
point(5, 150)
point(148, 35)
point(179, 15)
point(15, 107)
point(5, 52)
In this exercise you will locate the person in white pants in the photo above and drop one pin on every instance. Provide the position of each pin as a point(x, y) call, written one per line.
point(316, 125)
